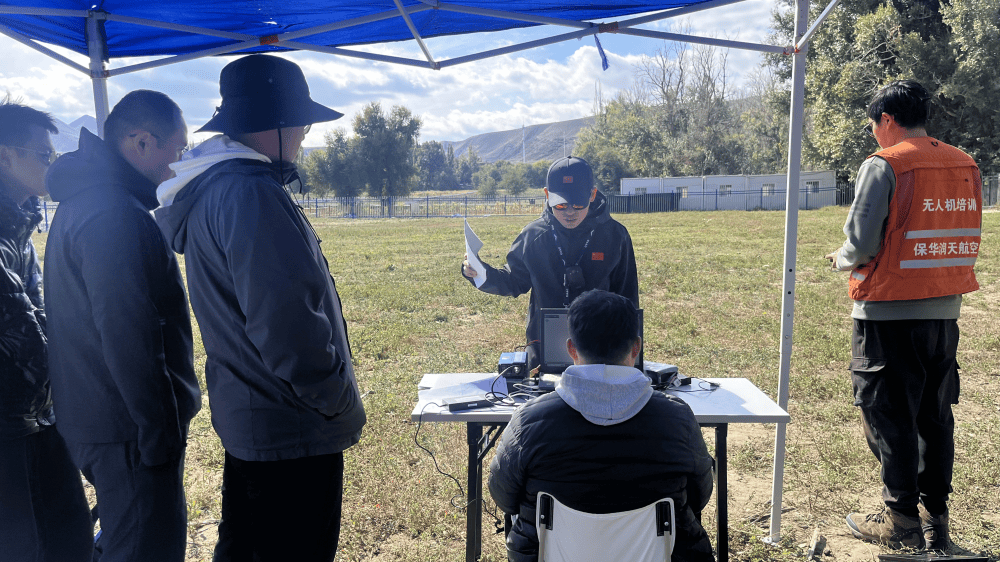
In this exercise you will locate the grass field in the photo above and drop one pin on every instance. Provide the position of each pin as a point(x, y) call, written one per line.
point(710, 285)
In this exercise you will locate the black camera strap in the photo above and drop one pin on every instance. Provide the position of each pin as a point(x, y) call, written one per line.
point(562, 256)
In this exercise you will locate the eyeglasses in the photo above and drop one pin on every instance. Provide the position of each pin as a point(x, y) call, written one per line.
point(868, 130)
point(566, 206)
point(47, 156)
point(305, 131)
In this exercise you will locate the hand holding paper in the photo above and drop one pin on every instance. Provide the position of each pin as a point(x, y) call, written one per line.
point(472, 246)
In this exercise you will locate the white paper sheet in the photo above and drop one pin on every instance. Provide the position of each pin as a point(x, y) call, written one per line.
point(472, 246)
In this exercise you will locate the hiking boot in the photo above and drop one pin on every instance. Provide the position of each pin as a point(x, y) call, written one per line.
point(935, 528)
point(887, 527)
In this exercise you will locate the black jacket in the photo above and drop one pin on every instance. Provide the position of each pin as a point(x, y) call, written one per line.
point(534, 263)
point(549, 446)
point(25, 402)
point(279, 371)
point(120, 345)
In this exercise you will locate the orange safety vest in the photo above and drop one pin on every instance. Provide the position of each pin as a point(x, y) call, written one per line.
point(934, 226)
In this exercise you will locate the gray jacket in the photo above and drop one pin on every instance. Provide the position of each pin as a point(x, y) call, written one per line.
point(279, 371)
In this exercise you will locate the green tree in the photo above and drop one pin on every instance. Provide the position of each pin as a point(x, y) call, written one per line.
point(514, 179)
point(337, 168)
point(951, 48)
point(466, 168)
point(433, 167)
point(486, 184)
point(385, 143)
point(309, 172)
point(536, 173)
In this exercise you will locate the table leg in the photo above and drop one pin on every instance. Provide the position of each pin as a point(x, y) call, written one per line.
point(474, 487)
point(722, 492)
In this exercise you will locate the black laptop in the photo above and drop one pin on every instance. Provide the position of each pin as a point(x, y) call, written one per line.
point(552, 345)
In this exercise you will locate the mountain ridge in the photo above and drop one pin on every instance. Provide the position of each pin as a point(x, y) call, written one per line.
point(545, 141)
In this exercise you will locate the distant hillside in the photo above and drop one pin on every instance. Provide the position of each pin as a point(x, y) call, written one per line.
point(68, 138)
point(541, 142)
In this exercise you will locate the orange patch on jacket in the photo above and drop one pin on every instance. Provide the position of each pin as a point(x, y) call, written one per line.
point(597, 256)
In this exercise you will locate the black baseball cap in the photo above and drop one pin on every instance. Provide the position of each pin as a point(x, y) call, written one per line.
point(570, 180)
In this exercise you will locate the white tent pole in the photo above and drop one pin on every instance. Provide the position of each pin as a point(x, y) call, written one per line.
point(52, 12)
point(357, 54)
point(805, 38)
point(788, 273)
point(42, 49)
point(275, 40)
point(706, 41)
point(416, 34)
point(517, 16)
point(96, 47)
point(519, 47)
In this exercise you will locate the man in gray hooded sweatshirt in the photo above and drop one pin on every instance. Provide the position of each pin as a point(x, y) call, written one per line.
point(573, 442)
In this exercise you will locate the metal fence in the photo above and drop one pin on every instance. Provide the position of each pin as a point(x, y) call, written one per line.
point(473, 206)
point(990, 187)
point(419, 207)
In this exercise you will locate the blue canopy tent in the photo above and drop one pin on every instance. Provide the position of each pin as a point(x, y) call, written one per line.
point(181, 30)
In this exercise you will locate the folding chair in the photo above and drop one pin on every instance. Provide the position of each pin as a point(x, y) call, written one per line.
point(567, 535)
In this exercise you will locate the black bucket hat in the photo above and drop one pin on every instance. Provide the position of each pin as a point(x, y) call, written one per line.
point(262, 93)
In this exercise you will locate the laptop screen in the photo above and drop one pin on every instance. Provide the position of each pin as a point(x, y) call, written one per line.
point(555, 331)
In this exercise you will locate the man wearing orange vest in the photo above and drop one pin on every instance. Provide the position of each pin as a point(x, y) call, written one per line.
point(913, 235)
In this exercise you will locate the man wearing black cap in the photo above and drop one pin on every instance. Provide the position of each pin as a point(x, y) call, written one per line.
point(573, 247)
point(284, 397)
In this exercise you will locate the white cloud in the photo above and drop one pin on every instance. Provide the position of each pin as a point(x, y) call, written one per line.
point(540, 85)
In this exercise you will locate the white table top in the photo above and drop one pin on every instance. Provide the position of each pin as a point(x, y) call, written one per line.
point(735, 400)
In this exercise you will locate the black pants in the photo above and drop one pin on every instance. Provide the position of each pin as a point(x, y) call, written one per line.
point(905, 379)
point(281, 510)
point(143, 510)
point(44, 515)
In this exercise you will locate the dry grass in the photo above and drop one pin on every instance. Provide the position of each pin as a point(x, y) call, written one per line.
point(710, 285)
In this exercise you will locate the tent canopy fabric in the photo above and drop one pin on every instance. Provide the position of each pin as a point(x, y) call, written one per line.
point(61, 22)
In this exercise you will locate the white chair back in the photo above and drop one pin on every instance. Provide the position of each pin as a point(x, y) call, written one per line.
point(567, 535)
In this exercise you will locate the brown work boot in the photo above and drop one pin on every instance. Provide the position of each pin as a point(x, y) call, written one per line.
point(935, 528)
point(887, 527)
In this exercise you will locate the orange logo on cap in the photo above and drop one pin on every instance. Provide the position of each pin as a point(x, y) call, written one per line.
point(567, 179)
point(597, 256)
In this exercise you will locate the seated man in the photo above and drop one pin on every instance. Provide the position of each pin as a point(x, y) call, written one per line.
point(571, 443)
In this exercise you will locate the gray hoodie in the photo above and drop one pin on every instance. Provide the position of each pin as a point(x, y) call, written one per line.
point(604, 394)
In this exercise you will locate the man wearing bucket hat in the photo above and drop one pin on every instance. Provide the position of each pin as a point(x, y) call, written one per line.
point(284, 397)
point(575, 246)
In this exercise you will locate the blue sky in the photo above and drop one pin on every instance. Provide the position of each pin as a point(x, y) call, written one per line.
point(542, 85)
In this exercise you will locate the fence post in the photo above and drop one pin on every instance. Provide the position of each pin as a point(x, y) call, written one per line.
point(427, 206)
point(45, 212)
point(466, 206)
point(505, 205)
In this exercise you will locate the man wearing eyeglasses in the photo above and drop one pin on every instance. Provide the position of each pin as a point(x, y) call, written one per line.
point(120, 342)
point(575, 246)
point(913, 235)
point(43, 511)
